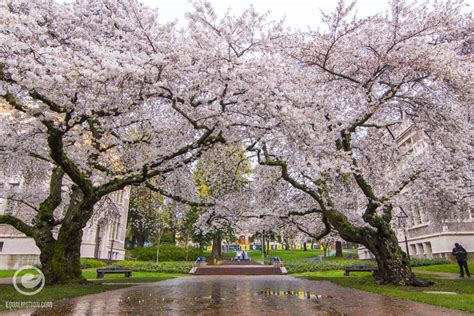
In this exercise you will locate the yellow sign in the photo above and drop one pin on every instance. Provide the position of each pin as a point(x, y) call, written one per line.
point(279, 247)
point(298, 246)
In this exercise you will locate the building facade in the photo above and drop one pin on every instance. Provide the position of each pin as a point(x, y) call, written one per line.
point(103, 238)
point(419, 233)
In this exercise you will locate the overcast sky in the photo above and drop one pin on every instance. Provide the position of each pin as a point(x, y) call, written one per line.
point(298, 13)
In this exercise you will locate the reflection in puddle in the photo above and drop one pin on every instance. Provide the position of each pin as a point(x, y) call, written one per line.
point(304, 295)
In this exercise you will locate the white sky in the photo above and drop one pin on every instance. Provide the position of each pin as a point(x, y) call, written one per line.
point(298, 13)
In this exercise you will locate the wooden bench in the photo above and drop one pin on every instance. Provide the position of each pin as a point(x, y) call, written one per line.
point(103, 271)
point(359, 269)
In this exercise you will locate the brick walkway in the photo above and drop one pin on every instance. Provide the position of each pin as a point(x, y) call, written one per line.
point(239, 295)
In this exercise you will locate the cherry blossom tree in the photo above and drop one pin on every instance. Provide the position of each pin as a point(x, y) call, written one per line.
point(348, 85)
point(102, 97)
point(112, 99)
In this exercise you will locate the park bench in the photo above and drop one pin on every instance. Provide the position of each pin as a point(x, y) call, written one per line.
point(276, 261)
point(360, 269)
point(103, 271)
point(240, 255)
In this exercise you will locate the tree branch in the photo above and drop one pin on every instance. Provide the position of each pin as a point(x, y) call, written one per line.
point(176, 197)
point(17, 223)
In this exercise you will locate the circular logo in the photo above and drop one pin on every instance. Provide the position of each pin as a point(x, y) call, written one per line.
point(30, 284)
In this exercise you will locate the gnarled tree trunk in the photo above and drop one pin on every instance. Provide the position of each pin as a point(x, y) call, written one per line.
point(216, 248)
point(60, 257)
point(393, 264)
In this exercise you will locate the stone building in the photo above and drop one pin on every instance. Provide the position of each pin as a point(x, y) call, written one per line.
point(103, 238)
point(424, 235)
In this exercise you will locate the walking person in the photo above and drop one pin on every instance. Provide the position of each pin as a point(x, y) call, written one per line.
point(461, 257)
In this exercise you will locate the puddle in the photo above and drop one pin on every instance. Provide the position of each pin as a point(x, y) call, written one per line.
point(303, 295)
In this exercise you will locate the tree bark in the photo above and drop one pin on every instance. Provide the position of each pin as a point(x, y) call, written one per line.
point(140, 240)
point(393, 264)
point(64, 266)
point(216, 248)
point(338, 249)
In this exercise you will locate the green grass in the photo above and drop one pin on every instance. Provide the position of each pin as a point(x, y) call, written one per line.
point(451, 268)
point(137, 277)
point(330, 273)
point(10, 273)
point(292, 255)
point(56, 292)
point(463, 301)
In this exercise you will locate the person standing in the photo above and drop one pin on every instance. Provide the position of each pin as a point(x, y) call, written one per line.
point(461, 257)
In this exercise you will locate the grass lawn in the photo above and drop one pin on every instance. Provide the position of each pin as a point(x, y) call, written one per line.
point(362, 281)
point(137, 277)
point(287, 255)
point(56, 292)
point(330, 273)
point(10, 273)
point(451, 268)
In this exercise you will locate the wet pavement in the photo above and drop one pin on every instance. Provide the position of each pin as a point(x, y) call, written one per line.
point(238, 295)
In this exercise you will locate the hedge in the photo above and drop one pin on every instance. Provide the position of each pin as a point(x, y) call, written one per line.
point(168, 252)
point(147, 266)
point(415, 262)
point(296, 267)
point(87, 263)
point(299, 267)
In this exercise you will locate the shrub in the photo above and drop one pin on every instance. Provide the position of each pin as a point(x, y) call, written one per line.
point(87, 263)
point(415, 262)
point(299, 267)
point(146, 266)
point(168, 252)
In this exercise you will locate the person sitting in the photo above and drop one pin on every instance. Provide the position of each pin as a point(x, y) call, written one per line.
point(238, 256)
point(461, 257)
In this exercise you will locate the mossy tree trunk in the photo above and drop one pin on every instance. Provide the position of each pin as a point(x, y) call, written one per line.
point(216, 248)
point(393, 264)
point(60, 257)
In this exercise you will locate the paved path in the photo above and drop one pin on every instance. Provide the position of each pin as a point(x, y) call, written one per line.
point(6, 280)
point(238, 295)
point(441, 275)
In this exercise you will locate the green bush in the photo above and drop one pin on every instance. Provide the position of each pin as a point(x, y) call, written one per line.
point(168, 252)
point(87, 263)
point(166, 267)
point(415, 262)
point(300, 267)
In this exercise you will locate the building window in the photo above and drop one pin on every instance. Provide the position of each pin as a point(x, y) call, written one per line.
point(413, 249)
point(117, 227)
point(420, 250)
point(114, 229)
point(428, 250)
point(407, 146)
point(120, 197)
point(1, 246)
